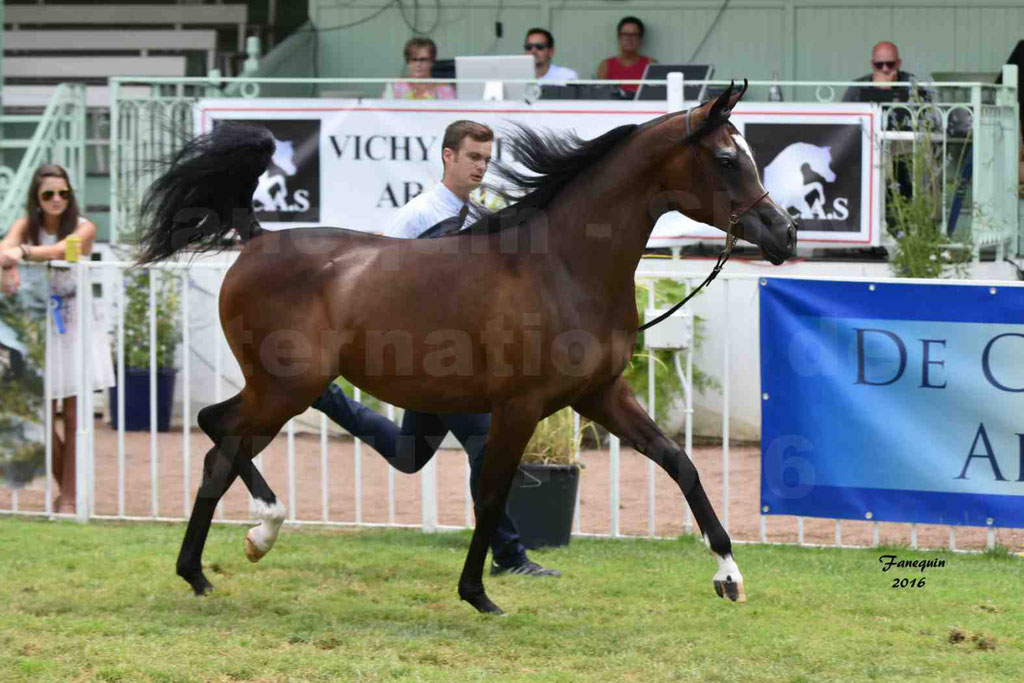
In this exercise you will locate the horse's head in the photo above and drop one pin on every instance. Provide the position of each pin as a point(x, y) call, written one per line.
point(712, 178)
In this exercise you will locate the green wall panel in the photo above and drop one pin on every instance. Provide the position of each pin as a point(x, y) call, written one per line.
point(804, 39)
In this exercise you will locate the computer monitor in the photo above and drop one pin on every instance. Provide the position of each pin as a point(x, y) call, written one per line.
point(694, 77)
point(494, 68)
point(589, 91)
point(443, 68)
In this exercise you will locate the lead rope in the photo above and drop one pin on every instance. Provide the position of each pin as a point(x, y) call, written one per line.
point(730, 241)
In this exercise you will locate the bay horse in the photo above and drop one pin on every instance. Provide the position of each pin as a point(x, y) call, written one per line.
point(527, 311)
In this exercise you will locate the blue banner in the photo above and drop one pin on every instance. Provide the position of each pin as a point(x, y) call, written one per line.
point(893, 402)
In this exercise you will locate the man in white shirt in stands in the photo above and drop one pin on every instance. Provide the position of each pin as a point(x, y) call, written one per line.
point(466, 153)
point(541, 44)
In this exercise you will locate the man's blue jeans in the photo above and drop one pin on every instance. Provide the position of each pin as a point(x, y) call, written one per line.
point(411, 446)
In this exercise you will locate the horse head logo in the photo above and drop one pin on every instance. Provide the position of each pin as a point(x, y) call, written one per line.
point(284, 156)
point(272, 190)
point(784, 178)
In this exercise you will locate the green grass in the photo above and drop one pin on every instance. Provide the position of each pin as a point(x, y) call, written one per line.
point(101, 602)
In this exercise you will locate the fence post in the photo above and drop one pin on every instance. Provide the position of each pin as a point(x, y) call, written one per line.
point(976, 141)
point(83, 469)
point(653, 413)
point(428, 488)
point(115, 162)
point(48, 409)
point(674, 91)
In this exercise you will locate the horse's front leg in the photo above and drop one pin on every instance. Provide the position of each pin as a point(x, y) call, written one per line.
point(512, 425)
point(616, 408)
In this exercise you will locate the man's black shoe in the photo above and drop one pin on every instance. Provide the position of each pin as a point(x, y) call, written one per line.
point(525, 568)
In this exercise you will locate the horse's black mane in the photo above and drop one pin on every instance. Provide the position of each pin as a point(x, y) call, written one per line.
point(552, 161)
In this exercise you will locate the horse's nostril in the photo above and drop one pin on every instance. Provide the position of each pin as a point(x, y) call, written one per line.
point(791, 238)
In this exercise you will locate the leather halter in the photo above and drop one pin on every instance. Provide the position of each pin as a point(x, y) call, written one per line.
point(730, 239)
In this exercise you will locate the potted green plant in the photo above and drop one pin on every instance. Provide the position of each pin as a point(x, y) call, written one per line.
point(542, 500)
point(137, 354)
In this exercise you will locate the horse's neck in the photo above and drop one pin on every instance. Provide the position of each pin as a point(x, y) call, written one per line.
point(601, 223)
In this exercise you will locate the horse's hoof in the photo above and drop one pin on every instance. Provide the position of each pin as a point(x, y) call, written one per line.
point(731, 589)
point(199, 583)
point(252, 551)
point(483, 604)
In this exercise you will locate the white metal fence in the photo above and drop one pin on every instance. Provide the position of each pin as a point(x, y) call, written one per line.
point(154, 476)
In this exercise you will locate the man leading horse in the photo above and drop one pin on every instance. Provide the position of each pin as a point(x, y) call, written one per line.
point(466, 154)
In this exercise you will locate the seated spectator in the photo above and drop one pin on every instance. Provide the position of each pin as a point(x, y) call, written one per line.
point(885, 68)
point(420, 54)
point(541, 44)
point(629, 64)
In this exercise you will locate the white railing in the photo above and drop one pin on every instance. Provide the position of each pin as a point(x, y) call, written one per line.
point(154, 476)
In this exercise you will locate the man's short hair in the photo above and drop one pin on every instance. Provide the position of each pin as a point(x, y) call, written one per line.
point(458, 131)
point(418, 42)
point(547, 34)
point(630, 20)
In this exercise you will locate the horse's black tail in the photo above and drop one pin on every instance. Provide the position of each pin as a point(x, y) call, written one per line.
point(205, 192)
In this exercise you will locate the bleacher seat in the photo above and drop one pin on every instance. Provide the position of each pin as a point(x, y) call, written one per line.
point(176, 16)
point(142, 42)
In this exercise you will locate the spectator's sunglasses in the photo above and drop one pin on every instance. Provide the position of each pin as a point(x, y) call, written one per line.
point(530, 47)
point(47, 195)
point(882, 65)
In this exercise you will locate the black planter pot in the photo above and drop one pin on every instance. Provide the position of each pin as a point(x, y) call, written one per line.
point(136, 400)
point(542, 502)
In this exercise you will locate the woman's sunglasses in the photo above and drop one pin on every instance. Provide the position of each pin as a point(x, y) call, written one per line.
point(47, 195)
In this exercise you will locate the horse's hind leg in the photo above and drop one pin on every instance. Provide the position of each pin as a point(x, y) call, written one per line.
point(617, 409)
point(269, 510)
point(239, 433)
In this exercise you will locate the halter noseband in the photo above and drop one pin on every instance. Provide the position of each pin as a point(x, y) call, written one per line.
point(730, 239)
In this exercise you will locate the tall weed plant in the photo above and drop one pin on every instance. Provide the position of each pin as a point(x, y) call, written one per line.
point(922, 247)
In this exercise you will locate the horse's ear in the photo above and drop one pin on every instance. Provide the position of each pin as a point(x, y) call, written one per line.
point(736, 97)
point(720, 109)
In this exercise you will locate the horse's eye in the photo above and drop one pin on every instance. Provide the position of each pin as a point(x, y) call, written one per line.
point(726, 163)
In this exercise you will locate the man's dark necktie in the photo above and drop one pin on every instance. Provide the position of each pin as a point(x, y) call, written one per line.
point(449, 226)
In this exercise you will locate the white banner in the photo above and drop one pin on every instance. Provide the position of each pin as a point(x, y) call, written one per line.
point(351, 163)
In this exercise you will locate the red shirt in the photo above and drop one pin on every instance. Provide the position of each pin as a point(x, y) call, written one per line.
point(618, 71)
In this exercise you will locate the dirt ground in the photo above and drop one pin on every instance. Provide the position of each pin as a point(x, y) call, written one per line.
point(744, 519)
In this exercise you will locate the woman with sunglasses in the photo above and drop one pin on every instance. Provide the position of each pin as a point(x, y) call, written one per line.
point(420, 54)
point(41, 235)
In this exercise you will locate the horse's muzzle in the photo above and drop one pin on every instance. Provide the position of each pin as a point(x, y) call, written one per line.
point(775, 233)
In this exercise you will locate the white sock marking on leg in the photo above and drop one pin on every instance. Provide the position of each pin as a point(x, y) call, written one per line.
point(727, 570)
point(271, 517)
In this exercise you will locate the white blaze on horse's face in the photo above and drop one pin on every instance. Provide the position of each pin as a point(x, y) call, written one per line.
point(741, 142)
